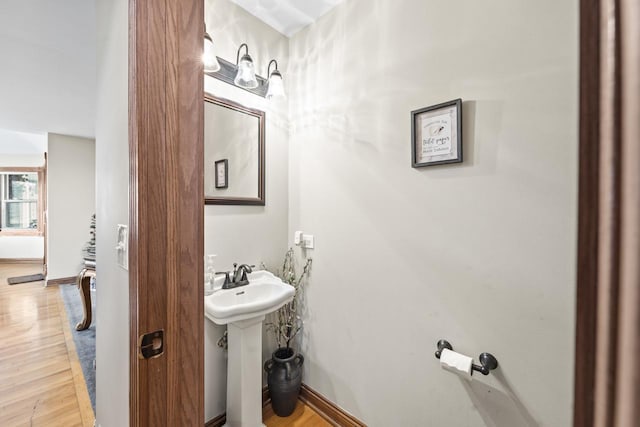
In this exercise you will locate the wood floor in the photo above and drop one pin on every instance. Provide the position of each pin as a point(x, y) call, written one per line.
point(41, 381)
point(303, 416)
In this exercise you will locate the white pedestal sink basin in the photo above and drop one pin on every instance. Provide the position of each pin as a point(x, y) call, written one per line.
point(243, 309)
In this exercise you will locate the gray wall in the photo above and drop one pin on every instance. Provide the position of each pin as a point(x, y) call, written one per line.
point(112, 171)
point(246, 234)
point(71, 200)
point(480, 253)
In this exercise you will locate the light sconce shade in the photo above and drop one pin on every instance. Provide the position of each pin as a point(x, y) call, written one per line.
point(276, 87)
point(211, 64)
point(246, 75)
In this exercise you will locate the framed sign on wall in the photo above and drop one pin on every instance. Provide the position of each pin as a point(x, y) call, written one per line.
point(436, 134)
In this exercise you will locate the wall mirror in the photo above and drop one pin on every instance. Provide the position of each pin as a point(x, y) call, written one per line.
point(233, 153)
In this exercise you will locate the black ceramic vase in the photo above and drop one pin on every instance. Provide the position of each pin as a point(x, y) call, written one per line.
point(284, 376)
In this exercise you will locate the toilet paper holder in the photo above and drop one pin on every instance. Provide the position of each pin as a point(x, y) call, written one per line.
point(487, 361)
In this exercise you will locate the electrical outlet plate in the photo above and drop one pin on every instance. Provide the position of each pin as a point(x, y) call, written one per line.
point(307, 241)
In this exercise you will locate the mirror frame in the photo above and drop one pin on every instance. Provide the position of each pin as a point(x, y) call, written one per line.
point(260, 115)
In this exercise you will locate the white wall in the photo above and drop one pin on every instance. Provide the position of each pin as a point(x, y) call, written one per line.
point(245, 234)
point(47, 79)
point(23, 160)
point(482, 253)
point(21, 247)
point(71, 200)
point(14, 143)
point(21, 149)
point(112, 203)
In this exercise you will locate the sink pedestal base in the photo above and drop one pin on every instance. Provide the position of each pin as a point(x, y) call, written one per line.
point(244, 373)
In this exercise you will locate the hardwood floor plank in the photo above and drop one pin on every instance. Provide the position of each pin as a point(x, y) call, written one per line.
point(16, 362)
point(22, 410)
point(59, 412)
point(40, 375)
point(303, 416)
point(21, 348)
point(34, 386)
point(48, 367)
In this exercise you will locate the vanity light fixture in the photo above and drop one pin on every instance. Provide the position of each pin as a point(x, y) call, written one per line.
point(211, 64)
point(242, 74)
point(246, 74)
point(276, 88)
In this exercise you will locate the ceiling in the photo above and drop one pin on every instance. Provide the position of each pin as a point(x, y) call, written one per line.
point(48, 73)
point(287, 16)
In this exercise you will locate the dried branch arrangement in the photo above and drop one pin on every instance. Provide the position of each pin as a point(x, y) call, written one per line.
point(287, 322)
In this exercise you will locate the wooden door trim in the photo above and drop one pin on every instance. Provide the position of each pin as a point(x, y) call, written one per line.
point(70, 280)
point(588, 215)
point(327, 409)
point(44, 215)
point(166, 210)
point(21, 260)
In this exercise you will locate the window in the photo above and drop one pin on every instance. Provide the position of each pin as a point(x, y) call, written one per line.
point(21, 201)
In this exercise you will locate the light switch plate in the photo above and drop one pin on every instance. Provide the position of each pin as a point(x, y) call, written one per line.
point(122, 247)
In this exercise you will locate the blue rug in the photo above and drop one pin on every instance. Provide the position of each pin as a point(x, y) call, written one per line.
point(85, 341)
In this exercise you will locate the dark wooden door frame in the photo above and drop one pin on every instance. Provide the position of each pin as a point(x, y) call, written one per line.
point(588, 217)
point(44, 216)
point(166, 210)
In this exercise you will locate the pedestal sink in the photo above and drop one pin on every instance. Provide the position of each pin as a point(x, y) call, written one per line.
point(243, 310)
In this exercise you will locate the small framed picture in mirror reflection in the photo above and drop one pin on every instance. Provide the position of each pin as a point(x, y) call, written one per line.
point(222, 173)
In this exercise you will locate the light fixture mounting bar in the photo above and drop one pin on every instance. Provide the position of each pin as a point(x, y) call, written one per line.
point(227, 74)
